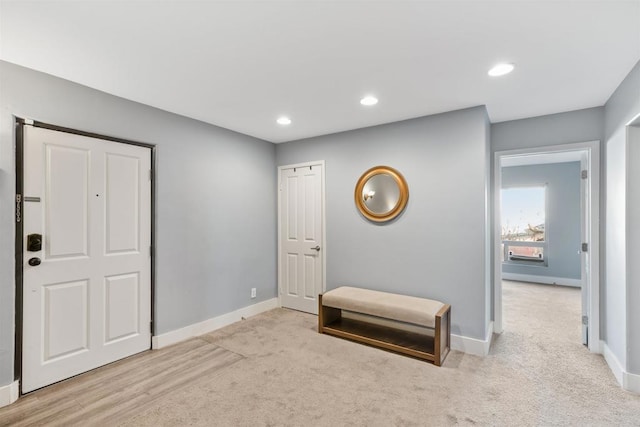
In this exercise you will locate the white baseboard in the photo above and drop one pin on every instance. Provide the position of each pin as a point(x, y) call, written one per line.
point(9, 393)
point(599, 348)
point(489, 338)
point(209, 325)
point(631, 382)
point(613, 362)
point(564, 281)
point(627, 380)
point(473, 345)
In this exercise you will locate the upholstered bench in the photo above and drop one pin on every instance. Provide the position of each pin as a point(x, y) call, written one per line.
point(417, 327)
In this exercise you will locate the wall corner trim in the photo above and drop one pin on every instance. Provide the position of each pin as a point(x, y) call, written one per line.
point(9, 393)
point(473, 345)
point(627, 380)
point(209, 325)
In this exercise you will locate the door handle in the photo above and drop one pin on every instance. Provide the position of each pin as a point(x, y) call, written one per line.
point(317, 248)
point(34, 262)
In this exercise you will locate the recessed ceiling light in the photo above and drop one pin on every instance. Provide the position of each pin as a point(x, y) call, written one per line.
point(284, 120)
point(501, 70)
point(369, 100)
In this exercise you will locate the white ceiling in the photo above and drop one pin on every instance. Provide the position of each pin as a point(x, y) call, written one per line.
point(241, 64)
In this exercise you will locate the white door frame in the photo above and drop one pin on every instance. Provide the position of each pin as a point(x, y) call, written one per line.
point(19, 231)
point(593, 254)
point(323, 245)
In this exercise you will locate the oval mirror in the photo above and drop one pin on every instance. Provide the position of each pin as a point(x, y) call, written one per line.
point(381, 194)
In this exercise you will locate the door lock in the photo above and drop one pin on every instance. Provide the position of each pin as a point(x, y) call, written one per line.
point(34, 262)
point(34, 242)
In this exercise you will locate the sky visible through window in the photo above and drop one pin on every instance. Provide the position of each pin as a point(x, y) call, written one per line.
point(523, 213)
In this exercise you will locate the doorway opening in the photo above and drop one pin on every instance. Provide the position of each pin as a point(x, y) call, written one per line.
point(537, 246)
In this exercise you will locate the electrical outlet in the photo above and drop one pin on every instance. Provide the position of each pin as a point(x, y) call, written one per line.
point(253, 292)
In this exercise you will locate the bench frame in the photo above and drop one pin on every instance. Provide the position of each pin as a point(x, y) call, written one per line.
point(433, 349)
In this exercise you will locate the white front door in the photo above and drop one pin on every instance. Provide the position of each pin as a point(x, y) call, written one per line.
point(301, 258)
point(87, 289)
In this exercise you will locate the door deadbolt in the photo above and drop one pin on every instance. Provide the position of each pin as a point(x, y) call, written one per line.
point(34, 242)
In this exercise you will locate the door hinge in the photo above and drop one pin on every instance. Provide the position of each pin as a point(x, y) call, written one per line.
point(150, 250)
point(18, 208)
point(584, 174)
point(150, 174)
point(585, 247)
point(585, 320)
point(151, 327)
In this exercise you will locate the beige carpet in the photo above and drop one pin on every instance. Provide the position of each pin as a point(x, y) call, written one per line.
point(538, 373)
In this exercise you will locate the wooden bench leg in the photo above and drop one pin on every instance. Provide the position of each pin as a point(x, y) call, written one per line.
point(442, 335)
point(326, 315)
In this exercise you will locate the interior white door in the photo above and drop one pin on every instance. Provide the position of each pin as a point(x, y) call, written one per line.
point(301, 237)
point(88, 302)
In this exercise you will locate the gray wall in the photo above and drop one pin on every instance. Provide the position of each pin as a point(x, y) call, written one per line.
point(633, 255)
point(562, 217)
point(215, 240)
point(436, 248)
point(623, 199)
point(554, 129)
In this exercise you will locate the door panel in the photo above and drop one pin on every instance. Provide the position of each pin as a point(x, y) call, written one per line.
point(291, 277)
point(301, 237)
point(65, 308)
point(311, 202)
point(89, 301)
point(122, 306)
point(310, 262)
point(67, 172)
point(122, 201)
point(291, 196)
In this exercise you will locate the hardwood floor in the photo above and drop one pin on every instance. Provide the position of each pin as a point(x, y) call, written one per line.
point(114, 393)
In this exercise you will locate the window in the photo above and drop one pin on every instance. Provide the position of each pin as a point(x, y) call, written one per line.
point(523, 224)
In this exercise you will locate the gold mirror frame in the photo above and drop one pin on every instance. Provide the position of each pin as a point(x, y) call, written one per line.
point(402, 199)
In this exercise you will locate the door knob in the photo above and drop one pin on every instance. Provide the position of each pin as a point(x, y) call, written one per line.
point(34, 262)
point(317, 248)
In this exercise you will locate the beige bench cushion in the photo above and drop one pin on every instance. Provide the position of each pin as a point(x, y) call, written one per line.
point(419, 311)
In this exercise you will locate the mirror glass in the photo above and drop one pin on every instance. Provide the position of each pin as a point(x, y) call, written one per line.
point(381, 194)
